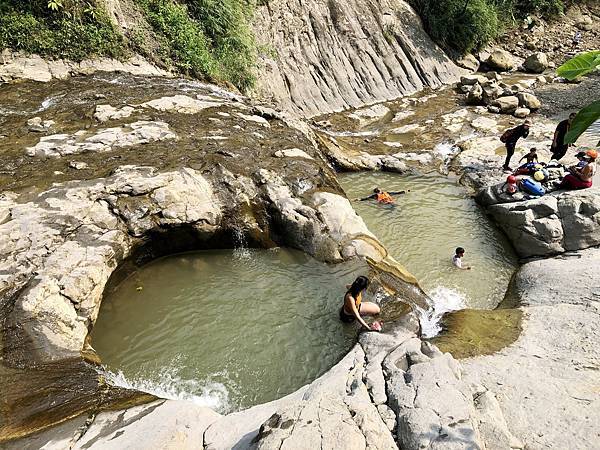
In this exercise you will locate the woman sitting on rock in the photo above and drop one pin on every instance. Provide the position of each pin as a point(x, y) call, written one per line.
point(354, 307)
point(581, 177)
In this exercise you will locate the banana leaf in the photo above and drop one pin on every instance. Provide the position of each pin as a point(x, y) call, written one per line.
point(585, 117)
point(580, 65)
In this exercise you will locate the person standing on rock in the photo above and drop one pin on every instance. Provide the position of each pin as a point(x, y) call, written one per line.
point(559, 147)
point(353, 307)
point(510, 138)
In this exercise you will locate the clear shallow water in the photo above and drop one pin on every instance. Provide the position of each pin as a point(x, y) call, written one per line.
point(422, 232)
point(227, 329)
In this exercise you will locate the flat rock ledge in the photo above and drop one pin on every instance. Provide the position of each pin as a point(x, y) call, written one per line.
point(546, 383)
point(17, 65)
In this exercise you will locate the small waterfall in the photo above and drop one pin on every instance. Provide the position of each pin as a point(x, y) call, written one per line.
point(443, 300)
point(168, 384)
point(240, 243)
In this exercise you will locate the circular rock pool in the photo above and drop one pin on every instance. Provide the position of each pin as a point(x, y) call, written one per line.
point(227, 329)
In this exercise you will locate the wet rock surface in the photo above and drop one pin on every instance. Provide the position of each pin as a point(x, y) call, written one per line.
point(63, 232)
point(545, 382)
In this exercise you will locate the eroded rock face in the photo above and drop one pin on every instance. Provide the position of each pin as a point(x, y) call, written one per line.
point(337, 55)
point(552, 224)
point(59, 250)
point(335, 412)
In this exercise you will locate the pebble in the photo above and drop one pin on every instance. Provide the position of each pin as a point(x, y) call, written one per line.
point(78, 165)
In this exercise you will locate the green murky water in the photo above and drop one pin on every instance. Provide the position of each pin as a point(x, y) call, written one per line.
point(228, 329)
point(423, 229)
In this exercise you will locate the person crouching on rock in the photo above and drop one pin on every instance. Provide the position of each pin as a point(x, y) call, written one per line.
point(581, 177)
point(530, 157)
point(353, 307)
point(510, 138)
point(382, 197)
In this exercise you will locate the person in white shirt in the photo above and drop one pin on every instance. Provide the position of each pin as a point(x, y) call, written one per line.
point(457, 258)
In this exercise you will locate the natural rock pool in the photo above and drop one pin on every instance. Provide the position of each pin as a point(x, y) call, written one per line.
point(423, 229)
point(225, 328)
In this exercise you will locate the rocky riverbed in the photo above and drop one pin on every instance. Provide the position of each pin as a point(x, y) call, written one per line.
point(111, 169)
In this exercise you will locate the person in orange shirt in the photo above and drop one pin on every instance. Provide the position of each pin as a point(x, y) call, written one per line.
point(382, 197)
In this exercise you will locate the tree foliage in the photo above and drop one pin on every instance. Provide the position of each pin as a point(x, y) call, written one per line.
point(70, 29)
point(578, 66)
point(206, 38)
point(581, 64)
point(467, 25)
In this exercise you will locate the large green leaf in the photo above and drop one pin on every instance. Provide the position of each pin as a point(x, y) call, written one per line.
point(579, 65)
point(582, 121)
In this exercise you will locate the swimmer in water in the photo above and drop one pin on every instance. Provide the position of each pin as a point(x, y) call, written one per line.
point(353, 307)
point(382, 197)
point(457, 259)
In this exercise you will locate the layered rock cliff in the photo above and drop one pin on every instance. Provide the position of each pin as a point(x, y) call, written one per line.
point(324, 56)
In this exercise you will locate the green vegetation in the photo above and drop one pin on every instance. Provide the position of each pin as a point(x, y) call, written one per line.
point(58, 28)
point(578, 66)
point(203, 38)
point(210, 38)
point(467, 25)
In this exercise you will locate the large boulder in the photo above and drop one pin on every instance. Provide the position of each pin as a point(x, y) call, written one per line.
point(507, 105)
point(529, 101)
point(584, 22)
point(554, 223)
point(468, 62)
point(501, 60)
point(475, 95)
point(536, 63)
point(491, 92)
point(521, 113)
point(470, 80)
